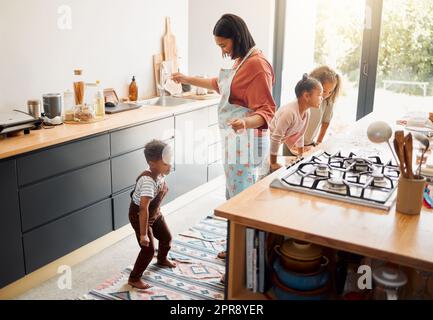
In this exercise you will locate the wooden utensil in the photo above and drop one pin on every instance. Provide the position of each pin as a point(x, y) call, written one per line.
point(157, 60)
point(426, 143)
point(399, 150)
point(408, 148)
point(169, 44)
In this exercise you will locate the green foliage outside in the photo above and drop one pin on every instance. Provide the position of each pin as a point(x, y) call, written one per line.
point(406, 42)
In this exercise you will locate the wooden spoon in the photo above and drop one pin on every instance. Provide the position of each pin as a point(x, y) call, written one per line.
point(426, 143)
point(399, 150)
point(408, 148)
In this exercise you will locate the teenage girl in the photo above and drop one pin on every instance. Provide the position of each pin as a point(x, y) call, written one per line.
point(291, 120)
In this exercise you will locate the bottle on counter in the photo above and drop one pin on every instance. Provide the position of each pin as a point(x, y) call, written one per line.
point(133, 90)
point(99, 100)
point(78, 86)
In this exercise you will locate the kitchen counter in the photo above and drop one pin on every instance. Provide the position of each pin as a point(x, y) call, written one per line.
point(43, 138)
point(386, 235)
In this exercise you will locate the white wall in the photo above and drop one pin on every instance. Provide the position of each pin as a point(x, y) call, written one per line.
point(204, 55)
point(300, 32)
point(111, 40)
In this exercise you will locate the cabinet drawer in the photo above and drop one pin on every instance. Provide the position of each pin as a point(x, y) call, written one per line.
point(213, 115)
point(49, 162)
point(213, 134)
point(214, 171)
point(126, 168)
point(214, 153)
point(53, 198)
point(136, 137)
point(121, 204)
point(56, 239)
point(11, 247)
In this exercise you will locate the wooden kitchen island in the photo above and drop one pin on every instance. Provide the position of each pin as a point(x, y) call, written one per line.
point(387, 235)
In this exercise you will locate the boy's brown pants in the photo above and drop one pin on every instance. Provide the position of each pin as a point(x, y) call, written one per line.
point(157, 229)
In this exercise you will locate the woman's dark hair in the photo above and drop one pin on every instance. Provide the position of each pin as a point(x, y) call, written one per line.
point(307, 84)
point(153, 150)
point(232, 27)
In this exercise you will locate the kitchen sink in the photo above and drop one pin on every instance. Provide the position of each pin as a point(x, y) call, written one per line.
point(167, 101)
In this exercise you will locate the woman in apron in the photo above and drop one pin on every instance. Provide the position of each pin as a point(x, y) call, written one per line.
point(246, 107)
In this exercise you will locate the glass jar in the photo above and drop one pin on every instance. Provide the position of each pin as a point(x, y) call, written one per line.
point(84, 113)
point(78, 86)
point(68, 105)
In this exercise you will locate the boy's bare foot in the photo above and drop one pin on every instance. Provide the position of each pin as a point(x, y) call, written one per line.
point(140, 284)
point(222, 254)
point(166, 263)
point(223, 279)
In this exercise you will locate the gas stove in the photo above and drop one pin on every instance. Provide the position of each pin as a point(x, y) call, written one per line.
point(368, 181)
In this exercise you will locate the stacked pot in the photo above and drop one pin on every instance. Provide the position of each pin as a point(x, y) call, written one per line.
point(300, 271)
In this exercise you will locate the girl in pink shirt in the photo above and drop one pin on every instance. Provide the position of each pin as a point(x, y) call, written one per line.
point(291, 120)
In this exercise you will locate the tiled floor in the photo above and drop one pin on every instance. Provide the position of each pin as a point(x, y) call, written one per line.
point(114, 259)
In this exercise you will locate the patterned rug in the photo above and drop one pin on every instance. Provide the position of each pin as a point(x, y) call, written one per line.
point(196, 276)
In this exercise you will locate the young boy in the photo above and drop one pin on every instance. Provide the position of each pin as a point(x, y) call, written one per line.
point(144, 212)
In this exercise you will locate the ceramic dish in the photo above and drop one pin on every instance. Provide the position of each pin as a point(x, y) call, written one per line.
point(284, 293)
point(302, 281)
point(300, 250)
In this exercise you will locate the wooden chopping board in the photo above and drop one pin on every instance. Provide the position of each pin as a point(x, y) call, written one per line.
point(169, 46)
point(157, 60)
point(190, 95)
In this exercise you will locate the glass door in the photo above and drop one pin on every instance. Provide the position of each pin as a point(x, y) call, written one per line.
point(338, 44)
point(404, 81)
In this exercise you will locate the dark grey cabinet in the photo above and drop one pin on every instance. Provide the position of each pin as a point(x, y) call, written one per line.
point(136, 137)
point(191, 150)
point(58, 196)
point(121, 204)
point(51, 241)
point(57, 199)
point(53, 161)
point(11, 248)
point(126, 168)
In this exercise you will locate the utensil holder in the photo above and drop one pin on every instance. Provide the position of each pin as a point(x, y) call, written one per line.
point(410, 194)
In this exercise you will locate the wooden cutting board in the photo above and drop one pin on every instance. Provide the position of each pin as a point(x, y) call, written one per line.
point(169, 46)
point(157, 60)
point(194, 96)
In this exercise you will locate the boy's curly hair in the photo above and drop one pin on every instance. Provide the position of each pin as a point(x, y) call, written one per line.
point(153, 150)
